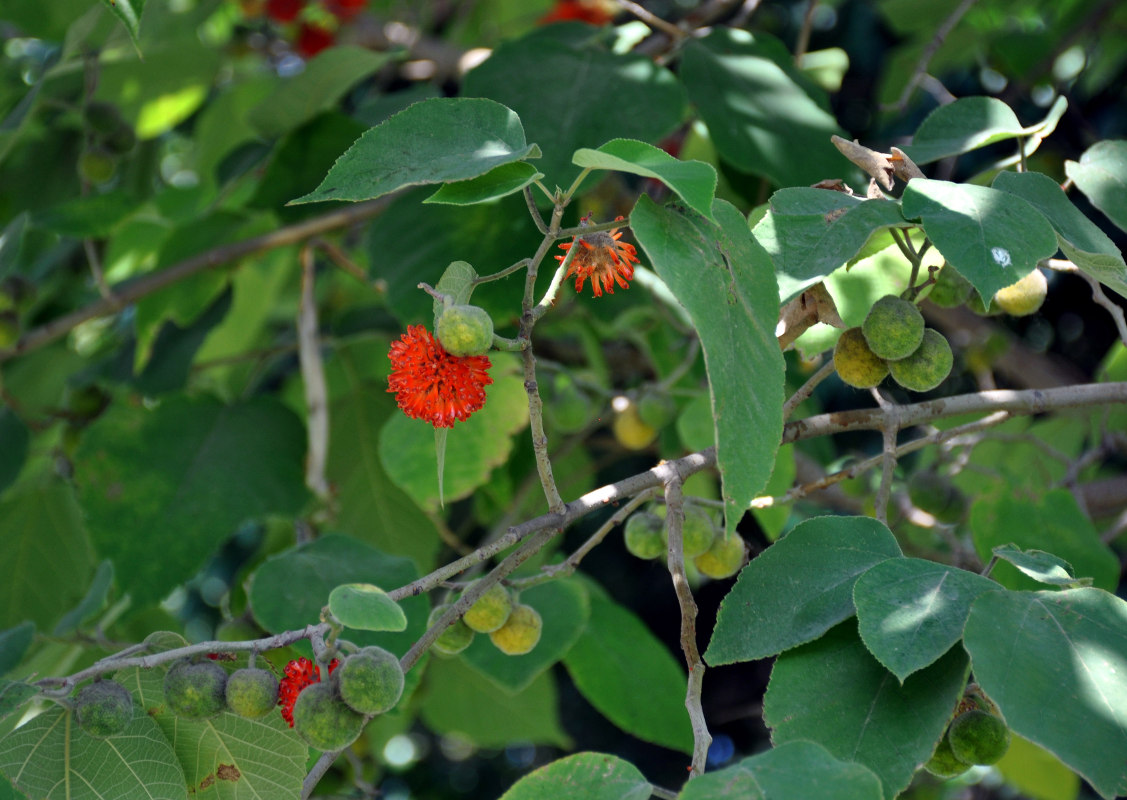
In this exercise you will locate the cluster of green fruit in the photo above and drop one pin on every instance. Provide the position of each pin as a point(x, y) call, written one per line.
point(893, 339)
point(1018, 299)
point(110, 138)
point(977, 734)
point(712, 552)
point(513, 627)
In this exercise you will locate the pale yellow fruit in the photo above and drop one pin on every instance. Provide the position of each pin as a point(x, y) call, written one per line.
point(520, 633)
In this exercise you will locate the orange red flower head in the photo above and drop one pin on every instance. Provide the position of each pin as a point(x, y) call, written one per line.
point(601, 257)
point(432, 385)
point(299, 673)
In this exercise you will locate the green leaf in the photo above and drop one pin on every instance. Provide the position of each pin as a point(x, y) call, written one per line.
point(1052, 522)
point(365, 607)
point(129, 12)
point(692, 181)
point(726, 282)
point(163, 488)
point(497, 183)
point(92, 602)
point(764, 116)
point(812, 232)
point(1037, 564)
point(991, 237)
point(325, 80)
point(93, 216)
point(1053, 661)
point(564, 610)
point(457, 282)
point(795, 770)
point(16, 438)
point(46, 552)
point(433, 141)
point(13, 644)
point(629, 676)
point(1101, 174)
point(14, 694)
point(798, 588)
point(1037, 773)
point(964, 125)
point(831, 691)
point(583, 776)
point(288, 591)
point(911, 611)
point(51, 758)
point(572, 95)
point(1079, 238)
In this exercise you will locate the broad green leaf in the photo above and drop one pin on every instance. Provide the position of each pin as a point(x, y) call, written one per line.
point(51, 758)
point(564, 609)
point(288, 591)
point(578, 95)
point(16, 438)
point(14, 694)
point(962, 126)
point(46, 554)
point(13, 644)
point(991, 237)
point(457, 282)
point(459, 701)
point(1052, 522)
point(798, 588)
point(1037, 564)
point(1054, 662)
point(1101, 174)
point(325, 80)
point(497, 183)
point(91, 603)
point(583, 776)
point(796, 770)
point(1037, 773)
point(434, 141)
point(831, 691)
point(726, 282)
point(1080, 239)
point(911, 611)
point(812, 232)
point(630, 677)
point(762, 114)
point(93, 216)
point(129, 12)
point(365, 607)
point(163, 488)
point(692, 181)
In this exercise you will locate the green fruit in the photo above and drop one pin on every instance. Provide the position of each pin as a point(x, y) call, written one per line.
point(490, 611)
point(84, 403)
point(926, 368)
point(630, 431)
point(656, 408)
point(455, 638)
point(103, 708)
point(857, 365)
point(370, 681)
point(196, 691)
point(96, 166)
point(252, 693)
point(520, 633)
point(724, 559)
point(1024, 297)
point(697, 532)
point(102, 118)
point(951, 289)
point(120, 141)
point(893, 328)
point(943, 763)
point(644, 534)
point(978, 737)
point(322, 719)
point(931, 492)
point(9, 328)
point(569, 409)
point(465, 331)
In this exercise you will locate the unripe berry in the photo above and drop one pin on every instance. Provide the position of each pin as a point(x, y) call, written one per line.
point(252, 693)
point(644, 535)
point(322, 719)
point(96, 166)
point(1024, 297)
point(568, 409)
point(951, 289)
point(102, 118)
point(370, 681)
point(893, 328)
point(926, 368)
point(978, 737)
point(697, 532)
point(724, 558)
point(195, 691)
point(630, 431)
point(656, 408)
point(490, 611)
point(454, 639)
point(103, 708)
point(464, 331)
point(520, 633)
point(857, 365)
point(943, 763)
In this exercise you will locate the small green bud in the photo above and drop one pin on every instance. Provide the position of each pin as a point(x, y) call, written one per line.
point(943, 763)
point(893, 328)
point(978, 737)
point(697, 532)
point(370, 681)
point(465, 330)
point(454, 639)
point(252, 693)
point(656, 408)
point(490, 610)
point(644, 535)
point(97, 166)
point(520, 633)
point(102, 118)
point(195, 691)
point(724, 558)
point(322, 719)
point(857, 365)
point(103, 708)
point(926, 368)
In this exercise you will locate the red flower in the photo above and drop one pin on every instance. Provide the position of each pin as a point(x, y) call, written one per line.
point(299, 674)
point(345, 9)
point(312, 39)
point(592, 11)
point(432, 385)
point(284, 10)
point(603, 259)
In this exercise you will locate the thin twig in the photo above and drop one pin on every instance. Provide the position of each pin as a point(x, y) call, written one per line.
point(313, 381)
point(653, 20)
point(807, 389)
point(803, 40)
point(928, 53)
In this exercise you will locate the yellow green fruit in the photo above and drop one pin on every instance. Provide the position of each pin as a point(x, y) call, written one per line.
point(857, 365)
point(724, 558)
point(951, 289)
point(656, 408)
point(931, 492)
point(697, 532)
point(370, 681)
point(630, 431)
point(455, 638)
point(103, 708)
point(322, 719)
point(465, 330)
point(1024, 297)
point(490, 611)
point(96, 166)
point(943, 763)
point(195, 691)
point(520, 633)
point(644, 535)
point(978, 737)
point(893, 328)
point(252, 693)
point(926, 368)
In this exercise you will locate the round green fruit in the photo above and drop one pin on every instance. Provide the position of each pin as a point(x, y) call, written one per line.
point(943, 763)
point(520, 633)
point(697, 533)
point(370, 681)
point(926, 368)
point(252, 693)
point(120, 141)
point(931, 492)
point(951, 289)
point(656, 408)
point(103, 708)
point(465, 331)
point(724, 559)
point(455, 638)
point(978, 737)
point(97, 166)
point(490, 611)
point(1024, 297)
point(196, 691)
point(644, 535)
point(857, 365)
point(893, 328)
point(323, 720)
point(569, 409)
point(102, 118)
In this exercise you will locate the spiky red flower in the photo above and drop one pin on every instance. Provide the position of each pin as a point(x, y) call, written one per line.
point(284, 10)
point(592, 11)
point(602, 258)
point(312, 39)
point(432, 385)
point(299, 673)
